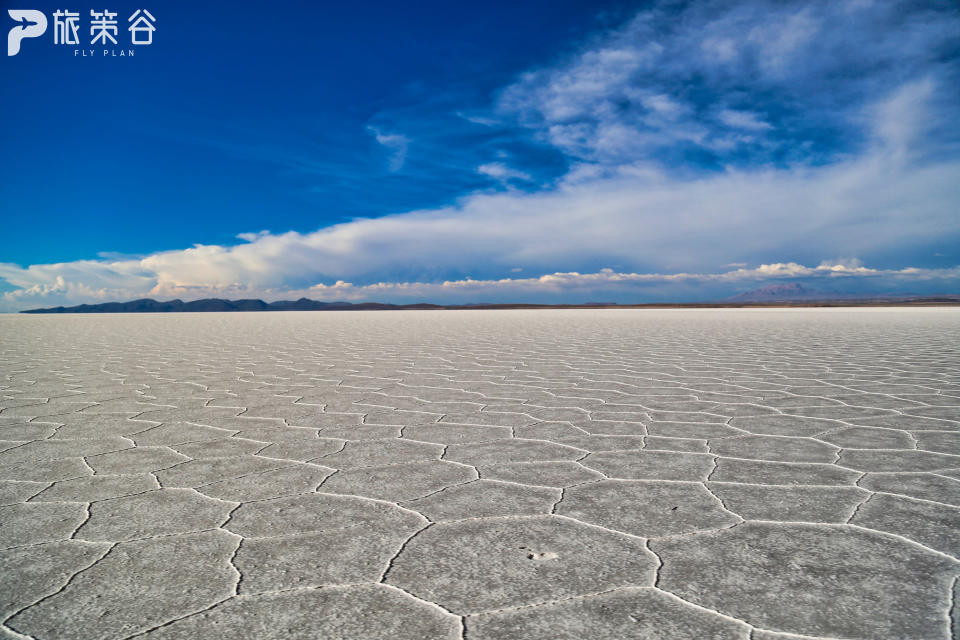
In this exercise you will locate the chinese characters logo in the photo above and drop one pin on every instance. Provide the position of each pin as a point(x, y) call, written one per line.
point(103, 29)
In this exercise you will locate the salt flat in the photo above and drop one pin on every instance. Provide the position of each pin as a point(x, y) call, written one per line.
point(601, 474)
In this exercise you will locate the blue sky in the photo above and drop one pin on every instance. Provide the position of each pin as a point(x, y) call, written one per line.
point(536, 151)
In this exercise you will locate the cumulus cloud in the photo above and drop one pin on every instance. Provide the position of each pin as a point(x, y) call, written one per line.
point(671, 81)
point(607, 281)
point(553, 287)
point(644, 220)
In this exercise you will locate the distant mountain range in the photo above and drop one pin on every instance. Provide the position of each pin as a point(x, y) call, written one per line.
point(776, 295)
point(785, 291)
point(794, 292)
point(146, 305)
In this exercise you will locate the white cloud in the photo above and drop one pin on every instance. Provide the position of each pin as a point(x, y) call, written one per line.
point(743, 120)
point(867, 204)
point(253, 236)
point(703, 73)
point(396, 143)
point(553, 286)
point(501, 172)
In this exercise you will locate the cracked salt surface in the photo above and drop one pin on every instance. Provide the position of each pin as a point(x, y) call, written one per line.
point(748, 474)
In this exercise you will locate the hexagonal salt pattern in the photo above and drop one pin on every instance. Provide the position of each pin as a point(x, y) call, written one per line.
point(609, 474)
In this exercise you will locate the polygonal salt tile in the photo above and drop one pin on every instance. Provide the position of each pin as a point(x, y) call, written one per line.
point(46, 470)
point(793, 504)
point(777, 448)
point(402, 418)
point(369, 453)
point(330, 420)
point(14, 491)
point(513, 450)
point(362, 432)
point(781, 425)
point(492, 563)
point(934, 525)
point(44, 409)
point(196, 473)
point(613, 428)
point(838, 413)
point(293, 413)
point(285, 481)
point(646, 508)
point(303, 450)
point(154, 513)
point(30, 573)
point(596, 443)
point(56, 449)
point(18, 400)
point(694, 430)
point(564, 415)
point(792, 473)
point(628, 614)
point(662, 443)
point(206, 415)
point(955, 611)
point(344, 556)
point(908, 423)
point(560, 473)
point(492, 418)
point(124, 406)
point(939, 441)
point(887, 460)
point(652, 465)
point(686, 416)
point(219, 448)
point(638, 417)
point(99, 487)
point(27, 431)
point(36, 522)
point(83, 425)
point(136, 460)
point(775, 635)
point(178, 433)
point(451, 433)
point(233, 423)
point(345, 613)
point(278, 433)
point(550, 431)
point(818, 580)
point(939, 400)
point(926, 486)
point(744, 409)
point(136, 586)
point(869, 438)
point(399, 481)
point(317, 512)
point(484, 499)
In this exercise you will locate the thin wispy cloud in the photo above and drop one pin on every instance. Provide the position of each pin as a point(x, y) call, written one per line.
point(397, 145)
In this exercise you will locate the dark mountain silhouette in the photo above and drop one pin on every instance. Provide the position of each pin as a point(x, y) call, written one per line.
point(147, 305)
point(795, 294)
point(785, 291)
point(778, 295)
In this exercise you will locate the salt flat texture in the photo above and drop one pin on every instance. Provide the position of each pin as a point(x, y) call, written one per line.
point(601, 474)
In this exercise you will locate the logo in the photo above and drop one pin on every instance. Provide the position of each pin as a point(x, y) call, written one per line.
point(104, 30)
point(33, 24)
